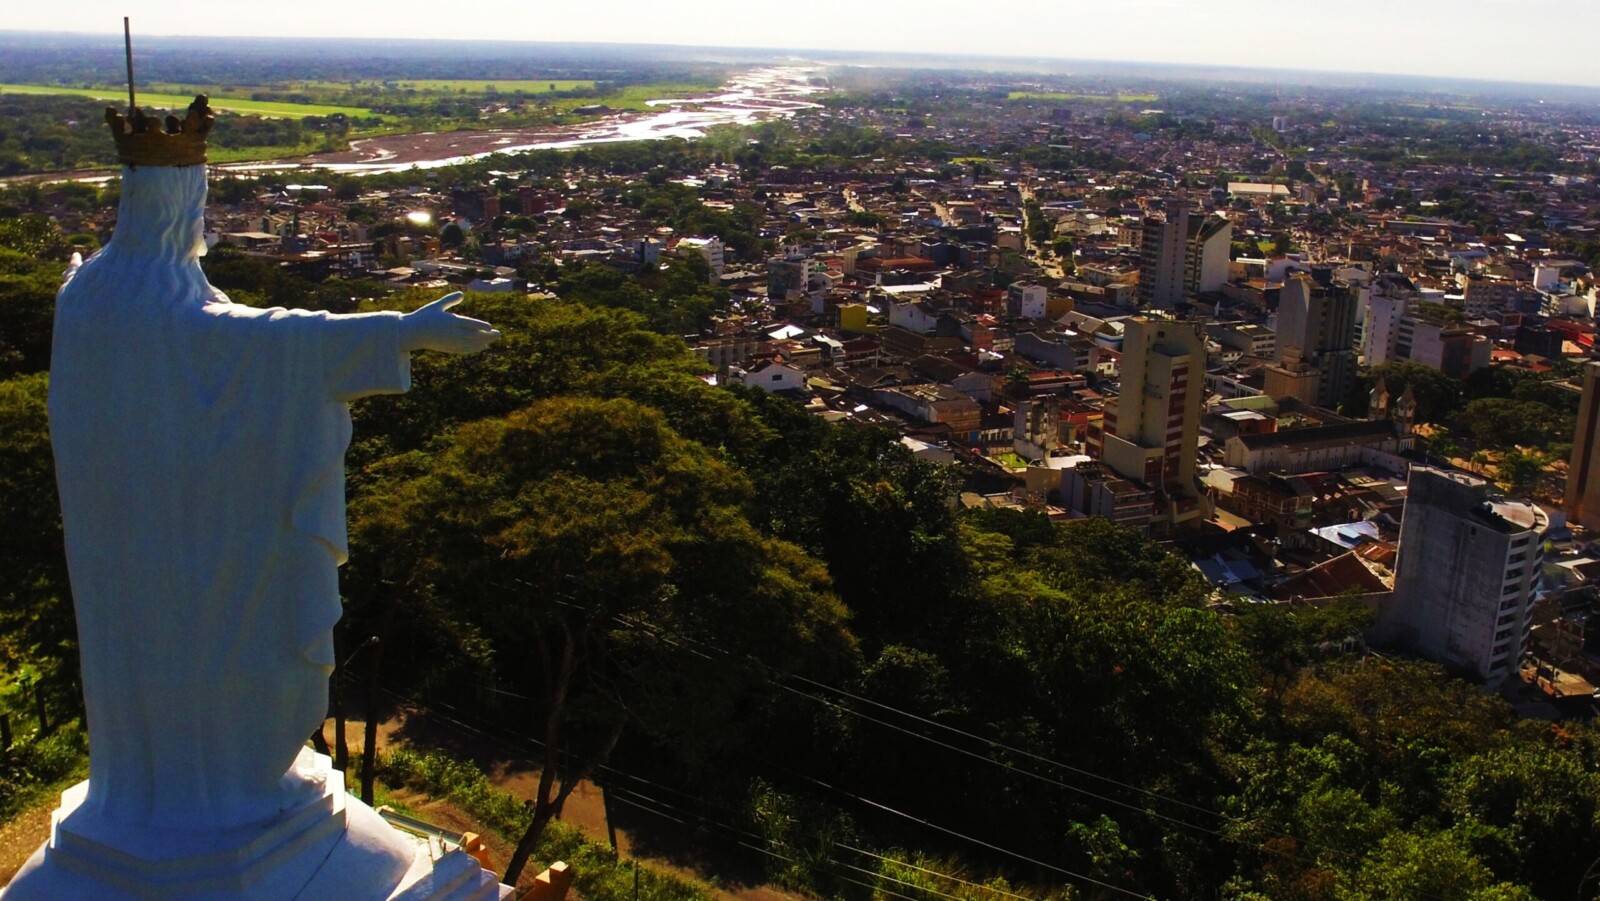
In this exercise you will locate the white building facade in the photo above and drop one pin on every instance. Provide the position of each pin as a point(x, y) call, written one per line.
point(1464, 582)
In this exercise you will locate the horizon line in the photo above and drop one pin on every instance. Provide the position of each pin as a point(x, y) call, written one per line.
point(801, 51)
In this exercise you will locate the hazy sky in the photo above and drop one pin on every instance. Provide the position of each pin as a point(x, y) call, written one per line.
point(1513, 40)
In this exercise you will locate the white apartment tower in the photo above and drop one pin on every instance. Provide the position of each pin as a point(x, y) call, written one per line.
point(1206, 263)
point(1380, 306)
point(1464, 581)
point(711, 249)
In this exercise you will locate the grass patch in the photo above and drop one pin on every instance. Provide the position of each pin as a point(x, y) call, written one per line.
point(636, 96)
point(1091, 98)
point(33, 771)
point(216, 154)
point(269, 109)
point(483, 86)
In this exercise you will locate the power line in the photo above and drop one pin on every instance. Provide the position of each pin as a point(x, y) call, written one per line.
point(769, 852)
point(948, 728)
point(910, 865)
point(886, 808)
point(1000, 763)
point(619, 793)
point(1284, 853)
point(998, 745)
point(871, 873)
point(967, 838)
point(836, 861)
point(927, 823)
point(664, 636)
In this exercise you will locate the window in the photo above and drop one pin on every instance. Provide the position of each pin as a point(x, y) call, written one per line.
point(1518, 558)
point(1500, 649)
point(778, 377)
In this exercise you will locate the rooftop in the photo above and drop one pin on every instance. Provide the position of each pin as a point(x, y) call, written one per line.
point(1317, 434)
point(1512, 516)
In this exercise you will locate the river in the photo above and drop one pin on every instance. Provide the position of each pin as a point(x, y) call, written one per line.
point(760, 94)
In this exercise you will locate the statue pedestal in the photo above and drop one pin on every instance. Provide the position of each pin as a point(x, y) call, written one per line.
point(326, 846)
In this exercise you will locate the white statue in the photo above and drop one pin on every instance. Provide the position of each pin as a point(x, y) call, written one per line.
point(200, 454)
point(199, 449)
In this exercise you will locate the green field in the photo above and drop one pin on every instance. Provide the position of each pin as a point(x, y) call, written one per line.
point(1091, 98)
point(482, 86)
point(633, 96)
point(179, 101)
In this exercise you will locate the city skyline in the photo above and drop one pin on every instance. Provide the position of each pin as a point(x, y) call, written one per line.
point(1495, 40)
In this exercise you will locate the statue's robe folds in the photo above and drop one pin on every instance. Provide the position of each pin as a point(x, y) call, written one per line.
point(200, 455)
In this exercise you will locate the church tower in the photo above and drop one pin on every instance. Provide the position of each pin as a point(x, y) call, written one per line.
point(1378, 401)
point(1405, 411)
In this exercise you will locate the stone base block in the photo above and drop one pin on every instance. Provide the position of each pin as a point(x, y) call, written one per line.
point(325, 846)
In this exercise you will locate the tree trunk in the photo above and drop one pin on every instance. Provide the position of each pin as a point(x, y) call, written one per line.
point(38, 704)
point(587, 771)
point(543, 813)
point(369, 752)
point(611, 826)
point(544, 810)
point(341, 742)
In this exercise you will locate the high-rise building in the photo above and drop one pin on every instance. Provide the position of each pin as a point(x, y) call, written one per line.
point(1206, 255)
point(1583, 476)
point(1316, 359)
point(710, 248)
point(1465, 574)
point(1151, 429)
point(1380, 305)
point(1162, 257)
point(1396, 326)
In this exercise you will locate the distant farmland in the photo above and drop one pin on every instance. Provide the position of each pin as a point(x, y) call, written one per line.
point(1091, 98)
point(269, 109)
point(483, 86)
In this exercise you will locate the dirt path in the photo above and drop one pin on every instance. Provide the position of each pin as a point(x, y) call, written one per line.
point(22, 836)
point(661, 843)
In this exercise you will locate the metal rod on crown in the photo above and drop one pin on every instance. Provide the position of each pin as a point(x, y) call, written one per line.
point(127, 44)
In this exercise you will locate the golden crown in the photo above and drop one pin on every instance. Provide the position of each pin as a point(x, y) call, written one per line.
point(142, 140)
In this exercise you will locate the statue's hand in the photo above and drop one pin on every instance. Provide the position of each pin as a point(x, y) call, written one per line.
point(434, 327)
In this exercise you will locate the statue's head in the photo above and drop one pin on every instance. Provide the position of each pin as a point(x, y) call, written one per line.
point(162, 213)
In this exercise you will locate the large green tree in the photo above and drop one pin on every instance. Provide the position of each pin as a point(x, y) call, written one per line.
point(593, 549)
point(37, 631)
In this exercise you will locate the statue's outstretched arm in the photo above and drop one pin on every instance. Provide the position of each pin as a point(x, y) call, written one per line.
point(434, 327)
